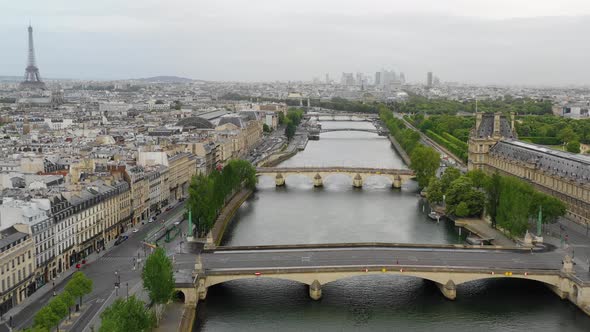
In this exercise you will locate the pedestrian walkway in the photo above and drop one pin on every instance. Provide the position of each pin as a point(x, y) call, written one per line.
point(484, 230)
point(171, 318)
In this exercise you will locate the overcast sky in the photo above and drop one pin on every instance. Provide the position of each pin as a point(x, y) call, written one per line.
point(472, 41)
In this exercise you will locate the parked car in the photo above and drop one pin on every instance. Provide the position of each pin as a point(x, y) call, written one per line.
point(121, 239)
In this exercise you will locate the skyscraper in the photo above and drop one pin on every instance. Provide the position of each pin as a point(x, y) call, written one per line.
point(378, 78)
point(32, 76)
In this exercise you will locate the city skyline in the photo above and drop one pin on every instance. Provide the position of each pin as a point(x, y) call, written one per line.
point(492, 43)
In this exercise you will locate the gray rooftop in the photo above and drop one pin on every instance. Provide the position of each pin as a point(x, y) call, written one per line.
point(573, 166)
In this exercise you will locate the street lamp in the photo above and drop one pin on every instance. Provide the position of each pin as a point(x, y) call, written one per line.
point(117, 281)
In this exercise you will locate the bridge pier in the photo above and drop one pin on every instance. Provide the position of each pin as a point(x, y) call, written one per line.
point(279, 180)
point(315, 290)
point(201, 289)
point(397, 182)
point(357, 181)
point(448, 290)
point(317, 180)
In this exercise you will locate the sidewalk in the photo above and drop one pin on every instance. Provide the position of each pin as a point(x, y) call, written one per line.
point(483, 229)
point(571, 238)
point(47, 288)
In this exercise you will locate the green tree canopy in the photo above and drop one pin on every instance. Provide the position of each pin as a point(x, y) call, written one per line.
point(79, 285)
point(126, 316)
point(290, 130)
point(573, 146)
point(157, 276)
point(460, 191)
point(449, 175)
point(46, 318)
point(424, 161)
point(435, 191)
point(158, 279)
point(208, 193)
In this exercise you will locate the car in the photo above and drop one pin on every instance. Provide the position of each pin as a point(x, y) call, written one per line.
point(168, 208)
point(121, 239)
point(135, 230)
point(177, 223)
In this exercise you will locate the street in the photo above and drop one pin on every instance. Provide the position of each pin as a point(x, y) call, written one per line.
point(102, 272)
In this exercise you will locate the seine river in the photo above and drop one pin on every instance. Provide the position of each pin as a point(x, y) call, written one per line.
point(300, 213)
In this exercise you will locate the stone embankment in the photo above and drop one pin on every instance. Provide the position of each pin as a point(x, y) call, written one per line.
point(400, 151)
point(215, 236)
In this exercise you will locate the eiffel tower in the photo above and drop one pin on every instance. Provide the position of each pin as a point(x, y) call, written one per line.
point(32, 76)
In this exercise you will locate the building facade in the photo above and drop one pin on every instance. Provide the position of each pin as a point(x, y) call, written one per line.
point(493, 148)
point(17, 255)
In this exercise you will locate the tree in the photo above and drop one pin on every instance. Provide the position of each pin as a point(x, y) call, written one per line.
point(479, 178)
point(493, 189)
point(462, 191)
point(79, 285)
point(69, 300)
point(514, 205)
point(158, 279)
point(281, 118)
point(573, 146)
point(45, 318)
point(290, 130)
point(462, 210)
point(424, 161)
point(266, 128)
point(567, 134)
point(435, 191)
point(127, 315)
point(449, 175)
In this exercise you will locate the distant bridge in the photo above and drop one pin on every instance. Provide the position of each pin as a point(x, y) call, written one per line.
point(375, 131)
point(317, 174)
point(447, 266)
point(336, 116)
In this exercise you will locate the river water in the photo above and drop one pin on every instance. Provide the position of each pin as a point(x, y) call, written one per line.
point(300, 213)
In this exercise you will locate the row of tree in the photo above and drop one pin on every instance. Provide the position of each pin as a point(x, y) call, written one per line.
point(60, 306)
point(291, 121)
point(509, 201)
point(208, 193)
point(416, 103)
point(424, 160)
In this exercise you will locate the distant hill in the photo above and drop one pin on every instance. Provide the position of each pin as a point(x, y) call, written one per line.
point(11, 78)
point(165, 79)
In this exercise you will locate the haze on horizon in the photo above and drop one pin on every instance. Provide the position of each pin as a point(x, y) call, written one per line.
point(534, 42)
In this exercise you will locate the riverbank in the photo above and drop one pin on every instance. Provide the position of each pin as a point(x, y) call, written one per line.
point(215, 235)
point(484, 230)
point(400, 151)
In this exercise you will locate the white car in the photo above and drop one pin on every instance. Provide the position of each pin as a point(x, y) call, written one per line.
point(135, 230)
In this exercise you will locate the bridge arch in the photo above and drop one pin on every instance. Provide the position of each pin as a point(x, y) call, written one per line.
point(447, 282)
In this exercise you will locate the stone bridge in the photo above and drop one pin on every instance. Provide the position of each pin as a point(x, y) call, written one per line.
point(447, 266)
point(375, 131)
point(341, 116)
point(318, 174)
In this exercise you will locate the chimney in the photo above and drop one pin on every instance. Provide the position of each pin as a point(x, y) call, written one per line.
point(497, 116)
point(478, 117)
point(513, 129)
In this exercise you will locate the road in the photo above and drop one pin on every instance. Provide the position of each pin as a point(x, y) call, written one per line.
point(427, 141)
point(378, 256)
point(102, 272)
